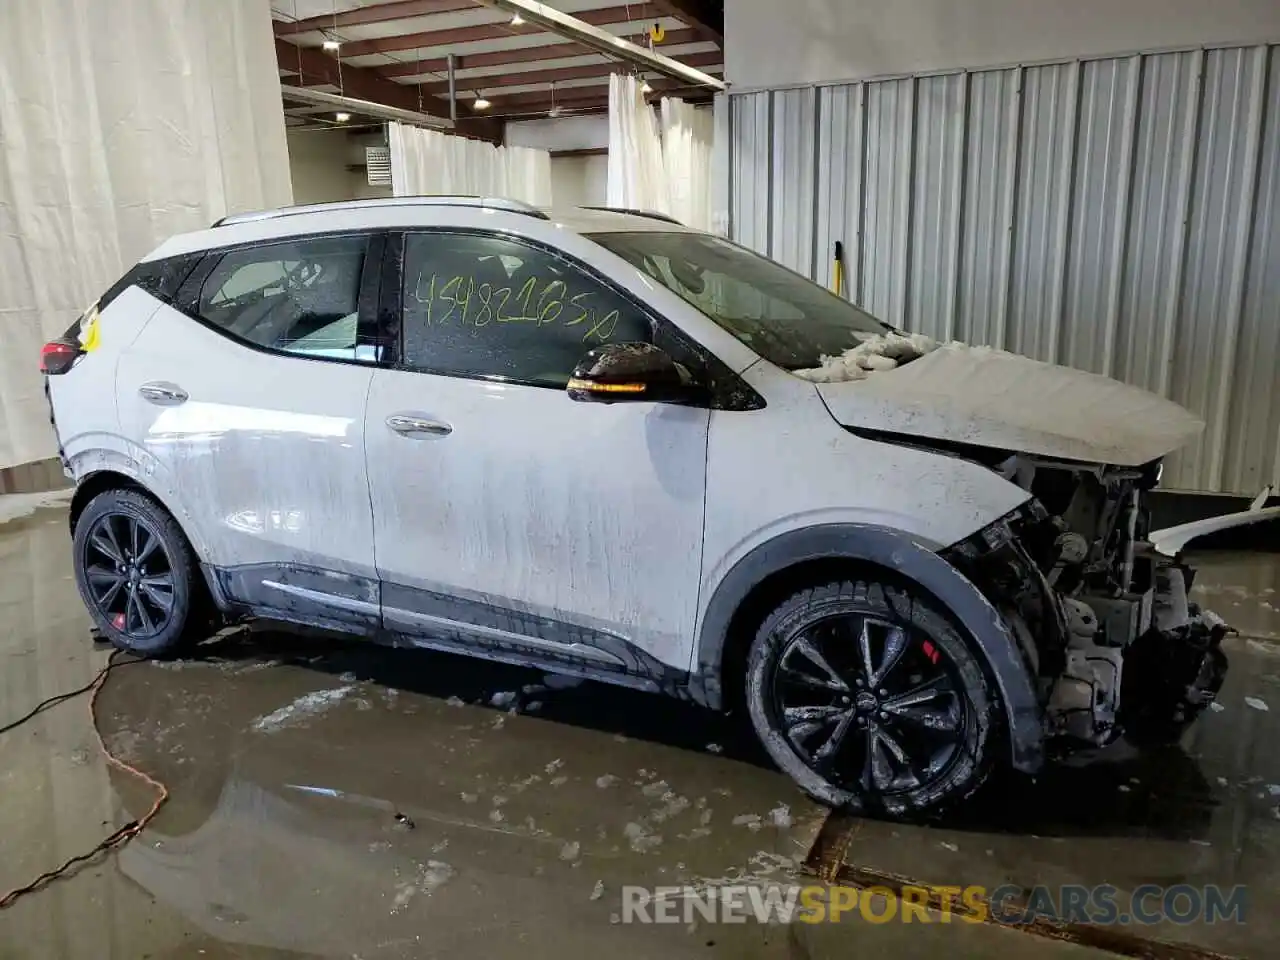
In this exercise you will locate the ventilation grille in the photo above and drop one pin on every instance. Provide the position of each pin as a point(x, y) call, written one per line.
point(377, 161)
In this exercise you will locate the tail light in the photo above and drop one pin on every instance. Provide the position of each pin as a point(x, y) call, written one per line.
point(59, 356)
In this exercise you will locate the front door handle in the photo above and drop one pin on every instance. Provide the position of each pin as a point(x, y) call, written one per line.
point(409, 426)
point(163, 394)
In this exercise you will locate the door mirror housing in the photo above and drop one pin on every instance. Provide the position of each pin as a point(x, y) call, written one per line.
point(621, 372)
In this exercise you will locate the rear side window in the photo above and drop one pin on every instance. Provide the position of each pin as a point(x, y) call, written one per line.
point(301, 297)
point(491, 306)
point(160, 278)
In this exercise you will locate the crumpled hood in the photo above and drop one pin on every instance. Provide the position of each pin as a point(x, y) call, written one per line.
point(990, 398)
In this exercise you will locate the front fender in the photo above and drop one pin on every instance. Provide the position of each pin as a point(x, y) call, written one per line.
point(909, 558)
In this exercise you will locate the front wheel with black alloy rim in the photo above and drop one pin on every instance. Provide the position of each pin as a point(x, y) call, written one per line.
point(868, 696)
point(135, 572)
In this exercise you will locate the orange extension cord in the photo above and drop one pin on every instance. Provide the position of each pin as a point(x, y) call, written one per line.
point(129, 830)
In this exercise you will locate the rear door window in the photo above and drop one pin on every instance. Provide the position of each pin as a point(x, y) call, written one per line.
point(300, 296)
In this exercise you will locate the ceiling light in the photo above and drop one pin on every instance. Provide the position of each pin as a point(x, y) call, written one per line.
point(480, 103)
point(342, 117)
point(517, 20)
point(332, 45)
point(645, 87)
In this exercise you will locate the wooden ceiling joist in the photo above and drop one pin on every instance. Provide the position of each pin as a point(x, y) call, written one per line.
point(495, 31)
point(394, 84)
point(557, 75)
point(500, 58)
point(317, 67)
point(376, 13)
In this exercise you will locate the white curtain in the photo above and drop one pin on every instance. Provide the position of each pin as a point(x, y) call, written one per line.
point(426, 162)
point(664, 167)
point(687, 137)
point(637, 180)
point(120, 124)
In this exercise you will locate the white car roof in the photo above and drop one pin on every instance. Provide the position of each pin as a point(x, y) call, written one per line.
point(406, 213)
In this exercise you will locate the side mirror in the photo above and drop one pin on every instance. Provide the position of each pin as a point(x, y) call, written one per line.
point(620, 372)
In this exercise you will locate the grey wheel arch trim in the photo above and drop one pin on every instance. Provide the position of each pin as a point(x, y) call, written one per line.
point(906, 556)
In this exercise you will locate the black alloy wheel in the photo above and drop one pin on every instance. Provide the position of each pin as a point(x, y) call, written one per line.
point(136, 572)
point(857, 697)
point(130, 575)
point(871, 699)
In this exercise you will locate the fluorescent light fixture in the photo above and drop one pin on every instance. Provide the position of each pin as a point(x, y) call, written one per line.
point(342, 117)
point(332, 46)
point(480, 103)
point(573, 28)
point(365, 108)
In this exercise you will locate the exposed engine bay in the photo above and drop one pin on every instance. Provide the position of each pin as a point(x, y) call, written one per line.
point(1103, 619)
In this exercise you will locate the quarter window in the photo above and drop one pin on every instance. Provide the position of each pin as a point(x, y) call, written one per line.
point(490, 306)
point(301, 297)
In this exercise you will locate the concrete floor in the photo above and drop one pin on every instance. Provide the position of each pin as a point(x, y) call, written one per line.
point(338, 800)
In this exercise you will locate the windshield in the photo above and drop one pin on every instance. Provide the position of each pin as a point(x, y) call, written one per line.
point(787, 319)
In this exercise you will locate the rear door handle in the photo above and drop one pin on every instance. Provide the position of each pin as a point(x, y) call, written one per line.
point(409, 425)
point(163, 394)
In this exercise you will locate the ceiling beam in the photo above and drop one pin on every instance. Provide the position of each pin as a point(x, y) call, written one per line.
point(494, 31)
point(502, 58)
point(706, 16)
point(578, 28)
point(316, 66)
point(333, 102)
point(539, 111)
point(581, 152)
point(710, 58)
point(378, 13)
point(581, 97)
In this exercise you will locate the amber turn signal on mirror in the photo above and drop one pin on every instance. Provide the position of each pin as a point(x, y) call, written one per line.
point(594, 386)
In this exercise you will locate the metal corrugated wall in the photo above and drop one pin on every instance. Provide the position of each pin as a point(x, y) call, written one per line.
point(1120, 215)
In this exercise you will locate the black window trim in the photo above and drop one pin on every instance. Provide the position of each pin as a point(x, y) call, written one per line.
point(729, 391)
point(150, 276)
point(187, 299)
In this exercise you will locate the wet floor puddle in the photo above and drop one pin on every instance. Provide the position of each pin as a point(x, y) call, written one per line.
point(338, 800)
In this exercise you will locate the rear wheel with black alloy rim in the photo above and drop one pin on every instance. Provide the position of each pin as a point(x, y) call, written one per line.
point(871, 699)
point(135, 571)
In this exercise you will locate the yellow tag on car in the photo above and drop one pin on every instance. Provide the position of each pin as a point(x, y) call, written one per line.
point(89, 330)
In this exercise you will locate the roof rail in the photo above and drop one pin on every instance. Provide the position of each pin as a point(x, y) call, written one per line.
point(487, 203)
point(650, 214)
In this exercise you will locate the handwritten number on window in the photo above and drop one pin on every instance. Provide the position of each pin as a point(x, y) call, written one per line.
point(452, 292)
point(484, 293)
point(583, 312)
point(522, 298)
point(549, 307)
point(482, 304)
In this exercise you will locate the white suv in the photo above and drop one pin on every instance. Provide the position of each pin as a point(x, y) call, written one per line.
point(614, 447)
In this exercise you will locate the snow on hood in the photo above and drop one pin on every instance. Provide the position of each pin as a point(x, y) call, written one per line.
point(991, 398)
point(880, 351)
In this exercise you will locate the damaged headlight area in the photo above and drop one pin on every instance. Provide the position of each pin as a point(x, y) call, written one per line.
point(1104, 620)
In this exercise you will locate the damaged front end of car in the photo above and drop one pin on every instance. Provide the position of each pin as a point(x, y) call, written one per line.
point(1103, 618)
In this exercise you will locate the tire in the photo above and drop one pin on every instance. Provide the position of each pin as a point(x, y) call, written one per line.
point(133, 615)
point(897, 753)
